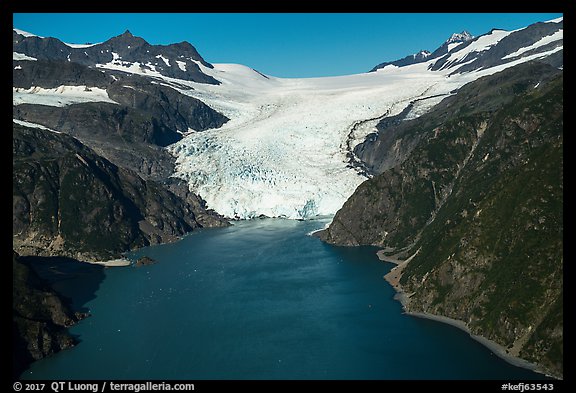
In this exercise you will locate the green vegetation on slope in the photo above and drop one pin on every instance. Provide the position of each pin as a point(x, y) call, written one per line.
point(480, 195)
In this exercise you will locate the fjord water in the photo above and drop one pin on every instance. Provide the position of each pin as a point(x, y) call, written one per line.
point(262, 300)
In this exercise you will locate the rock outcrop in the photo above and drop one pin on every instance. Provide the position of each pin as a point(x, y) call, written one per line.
point(39, 318)
point(145, 261)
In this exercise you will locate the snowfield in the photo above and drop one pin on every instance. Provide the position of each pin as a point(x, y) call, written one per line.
point(59, 96)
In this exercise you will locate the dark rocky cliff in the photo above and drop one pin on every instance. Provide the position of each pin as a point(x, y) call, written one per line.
point(39, 318)
point(475, 195)
point(69, 201)
point(51, 74)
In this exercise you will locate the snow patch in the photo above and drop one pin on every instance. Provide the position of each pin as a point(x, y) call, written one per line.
point(480, 44)
point(22, 56)
point(133, 68)
point(118, 64)
point(59, 96)
point(556, 36)
point(34, 125)
point(80, 45)
point(453, 45)
point(181, 65)
point(26, 34)
point(165, 60)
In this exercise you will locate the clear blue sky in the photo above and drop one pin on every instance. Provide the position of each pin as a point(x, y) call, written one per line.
point(282, 44)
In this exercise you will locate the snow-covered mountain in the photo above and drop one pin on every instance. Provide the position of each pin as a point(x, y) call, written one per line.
point(425, 55)
point(124, 52)
point(462, 52)
point(500, 47)
point(287, 149)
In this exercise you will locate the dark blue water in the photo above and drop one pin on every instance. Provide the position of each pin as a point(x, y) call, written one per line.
point(262, 300)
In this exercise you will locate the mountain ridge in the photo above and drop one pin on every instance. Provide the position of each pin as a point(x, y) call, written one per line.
point(485, 55)
point(425, 55)
point(120, 52)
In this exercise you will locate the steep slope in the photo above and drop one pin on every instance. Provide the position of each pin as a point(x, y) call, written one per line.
point(475, 204)
point(52, 74)
point(462, 53)
point(484, 52)
point(69, 201)
point(395, 138)
point(39, 318)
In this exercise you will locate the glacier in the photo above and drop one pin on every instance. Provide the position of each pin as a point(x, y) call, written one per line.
point(284, 151)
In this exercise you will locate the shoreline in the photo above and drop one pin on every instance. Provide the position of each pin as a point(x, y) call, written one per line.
point(112, 262)
point(393, 278)
point(493, 346)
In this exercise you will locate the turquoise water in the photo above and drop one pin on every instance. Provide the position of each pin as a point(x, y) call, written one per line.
point(262, 300)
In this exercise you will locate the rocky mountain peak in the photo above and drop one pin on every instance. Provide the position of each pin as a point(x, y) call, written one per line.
point(422, 54)
point(460, 37)
point(127, 38)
